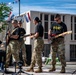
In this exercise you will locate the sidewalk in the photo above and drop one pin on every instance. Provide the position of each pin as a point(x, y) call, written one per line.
point(70, 68)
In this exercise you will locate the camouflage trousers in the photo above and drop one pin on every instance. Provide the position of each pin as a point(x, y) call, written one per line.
point(58, 47)
point(12, 48)
point(22, 47)
point(36, 54)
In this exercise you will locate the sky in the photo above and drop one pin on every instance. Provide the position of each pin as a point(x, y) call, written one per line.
point(56, 6)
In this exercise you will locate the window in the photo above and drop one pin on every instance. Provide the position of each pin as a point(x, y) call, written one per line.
point(46, 30)
point(52, 17)
point(45, 35)
point(75, 36)
point(71, 27)
point(74, 28)
point(46, 26)
point(46, 17)
point(63, 18)
point(75, 19)
point(73, 52)
point(40, 16)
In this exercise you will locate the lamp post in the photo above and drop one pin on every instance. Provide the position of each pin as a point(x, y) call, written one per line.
point(19, 7)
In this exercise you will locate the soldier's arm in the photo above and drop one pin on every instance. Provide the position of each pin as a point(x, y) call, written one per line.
point(14, 36)
point(35, 35)
point(49, 34)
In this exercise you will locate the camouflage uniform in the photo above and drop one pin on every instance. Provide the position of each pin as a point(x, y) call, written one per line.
point(12, 48)
point(36, 56)
point(22, 47)
point(38, 47)
point(58, 46)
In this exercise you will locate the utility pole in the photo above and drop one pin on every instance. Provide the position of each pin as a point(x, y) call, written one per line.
point(19, 7)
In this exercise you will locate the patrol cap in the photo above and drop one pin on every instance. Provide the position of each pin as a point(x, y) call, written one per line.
point(36, 19)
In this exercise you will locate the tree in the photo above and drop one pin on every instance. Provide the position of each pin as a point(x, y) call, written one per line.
point(4, 13)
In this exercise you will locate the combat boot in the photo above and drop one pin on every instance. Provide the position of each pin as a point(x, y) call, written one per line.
point(31, 69)
point(52, 69)
point(62, 70)
point(39, 70)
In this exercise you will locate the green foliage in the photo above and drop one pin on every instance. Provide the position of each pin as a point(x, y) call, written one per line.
point(4, 13)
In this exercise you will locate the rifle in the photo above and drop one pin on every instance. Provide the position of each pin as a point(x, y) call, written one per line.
point(62, 34)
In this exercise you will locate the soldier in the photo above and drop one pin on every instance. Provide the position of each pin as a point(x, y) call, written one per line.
point(57, 46)
point(38, 47)
point(13, 45)
point(21, 42)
